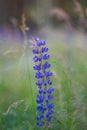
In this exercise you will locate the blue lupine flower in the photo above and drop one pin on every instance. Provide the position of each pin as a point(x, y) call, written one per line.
point(45, 84)
point(47, 74)
point(49, 82)
point(43, 76)
point(44, 91)
point(40, 91)
point(48, 116)
point(43, 43)
point(46, 57)
point(50, 112)
point(50, 106)
point(37, 67)
point(39, 83)
point(35, 51)
point(39, 75)
point(50, 90)
point(40, 107)
point(40, 117)
point(50, 97)
point(44, 49)
point(36, 58)
point(40, 124)
point(36, 39)
point(40, 99)
point(46, 65)
point(44, 108)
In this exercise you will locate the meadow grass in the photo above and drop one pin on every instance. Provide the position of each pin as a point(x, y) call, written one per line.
point(18, 90)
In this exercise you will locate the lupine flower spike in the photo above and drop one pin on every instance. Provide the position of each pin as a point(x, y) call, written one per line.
point(45, 107)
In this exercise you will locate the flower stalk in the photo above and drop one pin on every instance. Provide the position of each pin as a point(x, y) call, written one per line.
point(45, 106)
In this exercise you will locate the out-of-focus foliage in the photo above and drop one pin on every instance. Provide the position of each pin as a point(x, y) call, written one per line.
point(83, 3)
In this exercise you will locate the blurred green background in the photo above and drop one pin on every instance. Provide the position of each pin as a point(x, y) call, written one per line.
point(63, 25)
point(18, 90)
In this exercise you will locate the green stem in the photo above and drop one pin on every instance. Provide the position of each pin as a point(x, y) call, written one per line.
point(29, 76)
